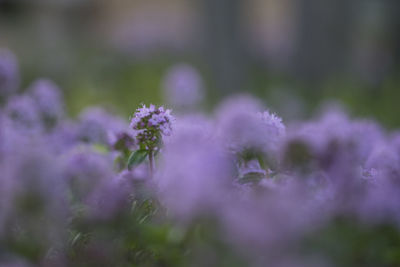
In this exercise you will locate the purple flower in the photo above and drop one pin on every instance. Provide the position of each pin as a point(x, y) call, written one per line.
point(238, 124)
point(23, 114)
point(93, 185)
point(193, 175)
point(63, 136)
point(98, 126)
point(194, 123)
point(331, 139)
point(261, 221)
point(183, 86)
point(150, 123)
point(248, 133)
point(48, 99)
point(35, 201)
point(84, 170)
point(108, 199)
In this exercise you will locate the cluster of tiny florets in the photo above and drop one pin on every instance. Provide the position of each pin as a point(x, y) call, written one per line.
point(150, 123)
point(272, 120)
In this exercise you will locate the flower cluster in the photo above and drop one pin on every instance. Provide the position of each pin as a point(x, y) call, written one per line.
point(150, 123)
point(49, 101)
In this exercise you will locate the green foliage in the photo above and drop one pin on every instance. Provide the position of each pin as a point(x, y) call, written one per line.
point(346, 242)
point(298, 156)
point(137, 157)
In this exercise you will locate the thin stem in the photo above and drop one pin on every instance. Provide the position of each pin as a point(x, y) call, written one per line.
point(151, 163)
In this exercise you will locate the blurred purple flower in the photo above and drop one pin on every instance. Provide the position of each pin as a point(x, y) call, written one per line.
point(183, 87)
point(48, 99)
point(23, 113)
point(98, 126)
point(193, 174)
point(84, 170)
point(109, 198)
point(247, 132)
point(63, 136)
point(36, 211)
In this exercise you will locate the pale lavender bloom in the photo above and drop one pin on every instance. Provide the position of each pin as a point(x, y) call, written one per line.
point(93, 183)
point(382, 201)
point(250, 135)
point(35, 199)
point(243, 131)
point(194, 123)
point(274, 129)
point(354, 158)
point(63, 136)
point(23, 114)
point(235, 117)
point(238, 103)
point(193, 174)
point(98, 126)
point(318, 135)
point(366, 135)
point(14, 138)
point(335, 126)
point(183, 86)
point(332, 139)
point(49, 100)
point(109, 198)
point(9, 74)
point(383, 157)
point(385, 161)
point(138, 174)
point(84, 170)
point(382, 173)
point(274, 122)
point(242, 127)
point(263, 222)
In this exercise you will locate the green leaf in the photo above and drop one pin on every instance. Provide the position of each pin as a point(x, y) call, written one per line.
point(137, 157)
point(76, 238)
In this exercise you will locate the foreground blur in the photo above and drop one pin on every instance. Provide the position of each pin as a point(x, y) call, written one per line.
point(236, 187)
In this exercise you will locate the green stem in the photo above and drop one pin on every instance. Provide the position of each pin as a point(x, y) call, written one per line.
point(151, 163)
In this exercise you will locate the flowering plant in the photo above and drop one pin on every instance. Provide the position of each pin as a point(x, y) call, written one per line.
point(149, 125)
point(235, 187)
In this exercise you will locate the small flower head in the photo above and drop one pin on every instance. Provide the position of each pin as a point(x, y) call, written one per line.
point(49, 101)
point(183, 86)
point(150, 123)
point(99, 126)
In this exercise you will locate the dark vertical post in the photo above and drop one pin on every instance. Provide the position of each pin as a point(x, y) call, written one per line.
point(223, 43)
point(324, 38)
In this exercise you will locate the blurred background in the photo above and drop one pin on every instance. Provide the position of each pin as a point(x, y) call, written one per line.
point(293, 54)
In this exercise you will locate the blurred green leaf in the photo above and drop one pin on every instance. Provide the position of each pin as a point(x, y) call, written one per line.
point(137, 157)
